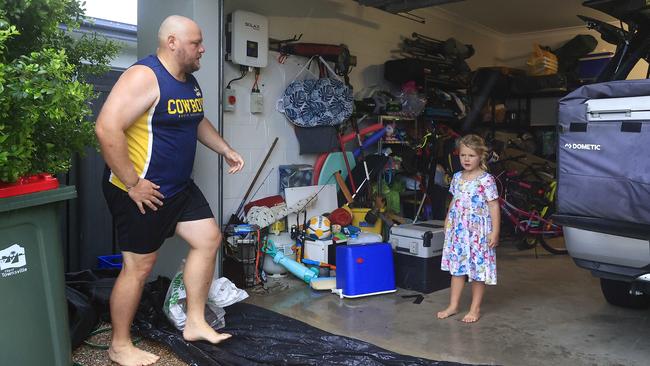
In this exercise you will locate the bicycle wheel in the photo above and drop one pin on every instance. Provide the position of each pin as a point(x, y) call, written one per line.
point(527, 242)
point(553, 244)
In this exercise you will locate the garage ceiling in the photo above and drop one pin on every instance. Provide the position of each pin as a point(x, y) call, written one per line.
point(522, 16)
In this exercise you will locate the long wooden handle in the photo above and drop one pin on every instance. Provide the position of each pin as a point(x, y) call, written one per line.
point(344, 188)
point(250, 188)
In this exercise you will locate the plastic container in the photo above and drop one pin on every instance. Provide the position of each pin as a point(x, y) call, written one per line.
point(33, 307)
point(359, 220)
point(109, 261)
point(364, 270)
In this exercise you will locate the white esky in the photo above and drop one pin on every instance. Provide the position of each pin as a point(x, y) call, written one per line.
point(123, 11)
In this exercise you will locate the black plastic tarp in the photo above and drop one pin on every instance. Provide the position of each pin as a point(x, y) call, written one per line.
point(261, 337)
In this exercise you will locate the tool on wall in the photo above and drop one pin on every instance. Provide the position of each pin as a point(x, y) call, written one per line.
point(339, 55)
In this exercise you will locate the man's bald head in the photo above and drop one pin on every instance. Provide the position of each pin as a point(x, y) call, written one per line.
point(176, 26)
point(180, 43)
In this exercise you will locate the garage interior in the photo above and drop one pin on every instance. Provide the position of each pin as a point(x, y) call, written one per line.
point(494, 72)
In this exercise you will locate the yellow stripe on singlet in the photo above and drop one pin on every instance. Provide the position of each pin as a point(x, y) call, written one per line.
point(139, 138)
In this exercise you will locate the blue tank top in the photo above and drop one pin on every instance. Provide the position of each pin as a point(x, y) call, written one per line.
point(162, 141)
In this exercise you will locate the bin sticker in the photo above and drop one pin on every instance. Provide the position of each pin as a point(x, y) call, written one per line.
point(12, 260)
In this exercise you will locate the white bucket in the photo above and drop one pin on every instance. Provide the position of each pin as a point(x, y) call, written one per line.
point(283, 243)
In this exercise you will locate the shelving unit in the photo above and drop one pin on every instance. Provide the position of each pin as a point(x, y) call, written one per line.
point(410, 125)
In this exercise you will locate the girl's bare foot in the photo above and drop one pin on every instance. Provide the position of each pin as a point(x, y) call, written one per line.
point(201, 331)
point(130, 355)
point(447, 312)
point(472, 317)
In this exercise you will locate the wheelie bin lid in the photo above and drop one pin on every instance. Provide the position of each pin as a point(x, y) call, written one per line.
point(38, 198)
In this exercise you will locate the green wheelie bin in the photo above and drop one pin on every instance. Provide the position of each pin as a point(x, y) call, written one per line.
point(33, 305)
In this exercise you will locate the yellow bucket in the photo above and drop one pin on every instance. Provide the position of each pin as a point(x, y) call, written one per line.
point(359, 220)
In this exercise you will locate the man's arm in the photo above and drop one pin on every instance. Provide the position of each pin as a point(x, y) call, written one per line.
point(209, 137)
point(133, 94)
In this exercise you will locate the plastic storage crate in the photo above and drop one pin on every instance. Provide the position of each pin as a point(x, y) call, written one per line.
point(109, 261)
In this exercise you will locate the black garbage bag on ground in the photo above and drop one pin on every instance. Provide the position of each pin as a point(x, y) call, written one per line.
point(82, 317)
point(96, 285)
point(87, 293)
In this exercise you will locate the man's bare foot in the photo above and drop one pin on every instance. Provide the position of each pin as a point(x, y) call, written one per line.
point(447, 312)
point(203, 332)
point(130, 355)
point(472, 317)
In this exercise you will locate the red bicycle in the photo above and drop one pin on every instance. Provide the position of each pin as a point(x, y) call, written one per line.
point(532, 226)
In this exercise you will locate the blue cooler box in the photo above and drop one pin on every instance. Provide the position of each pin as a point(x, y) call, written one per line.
point(364, 270)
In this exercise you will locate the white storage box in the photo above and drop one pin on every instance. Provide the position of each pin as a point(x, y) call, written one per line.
point(423, 239)
point(322, 250)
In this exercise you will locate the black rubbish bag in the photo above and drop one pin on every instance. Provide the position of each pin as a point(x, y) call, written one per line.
point(82, 317)
point(96, 285)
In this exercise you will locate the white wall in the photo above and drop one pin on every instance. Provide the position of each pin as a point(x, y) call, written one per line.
point(370, 34)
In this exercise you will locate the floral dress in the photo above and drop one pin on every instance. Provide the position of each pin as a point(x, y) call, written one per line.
point(467, 229)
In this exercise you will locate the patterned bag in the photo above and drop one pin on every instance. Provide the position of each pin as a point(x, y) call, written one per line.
point(316, 102)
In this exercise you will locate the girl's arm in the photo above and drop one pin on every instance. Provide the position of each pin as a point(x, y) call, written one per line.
point(495, 215)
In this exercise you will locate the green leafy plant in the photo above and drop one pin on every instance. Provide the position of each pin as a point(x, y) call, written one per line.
point(44, 100)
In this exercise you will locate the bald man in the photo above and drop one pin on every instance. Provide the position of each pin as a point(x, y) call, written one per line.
point(148, 130)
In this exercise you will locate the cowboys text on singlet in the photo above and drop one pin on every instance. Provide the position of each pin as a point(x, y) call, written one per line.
point(162, 141)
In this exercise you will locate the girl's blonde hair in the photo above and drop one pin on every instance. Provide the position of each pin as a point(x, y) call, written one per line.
point(476, 143)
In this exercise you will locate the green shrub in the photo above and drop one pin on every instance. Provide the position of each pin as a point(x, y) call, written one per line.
point(44, 100)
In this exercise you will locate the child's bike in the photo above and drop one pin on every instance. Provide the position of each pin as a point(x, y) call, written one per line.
point(528, 205)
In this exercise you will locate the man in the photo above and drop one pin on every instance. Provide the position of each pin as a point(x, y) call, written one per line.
point(148, 129)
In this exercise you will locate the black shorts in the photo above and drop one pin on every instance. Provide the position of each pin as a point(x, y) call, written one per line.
point(144, 234)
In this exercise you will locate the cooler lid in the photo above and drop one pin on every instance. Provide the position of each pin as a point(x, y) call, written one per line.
point(617, 109)
point(418, 229)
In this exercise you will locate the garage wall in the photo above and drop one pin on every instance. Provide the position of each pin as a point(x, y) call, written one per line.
point(370, 34)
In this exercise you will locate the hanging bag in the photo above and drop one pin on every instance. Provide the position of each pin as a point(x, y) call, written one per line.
point(316, 102)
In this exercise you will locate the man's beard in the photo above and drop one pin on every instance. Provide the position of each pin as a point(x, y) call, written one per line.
point(194, 66)
point(191, 66)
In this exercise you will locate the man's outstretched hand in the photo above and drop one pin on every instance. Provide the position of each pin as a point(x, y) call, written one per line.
point(234, 160)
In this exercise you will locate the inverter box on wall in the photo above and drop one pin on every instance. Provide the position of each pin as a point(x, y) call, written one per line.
point(247, 39)
point(418, 252)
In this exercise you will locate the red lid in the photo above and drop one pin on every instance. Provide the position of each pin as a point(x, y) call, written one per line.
point(31, 184)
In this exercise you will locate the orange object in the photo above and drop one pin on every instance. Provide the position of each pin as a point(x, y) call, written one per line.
point(344, 188)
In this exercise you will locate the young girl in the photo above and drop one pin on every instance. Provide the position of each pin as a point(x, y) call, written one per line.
point(471, 229)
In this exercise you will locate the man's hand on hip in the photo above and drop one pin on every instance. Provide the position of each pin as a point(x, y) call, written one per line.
point(146, 193)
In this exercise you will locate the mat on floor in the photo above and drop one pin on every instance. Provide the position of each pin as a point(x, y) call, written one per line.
point(264, 337)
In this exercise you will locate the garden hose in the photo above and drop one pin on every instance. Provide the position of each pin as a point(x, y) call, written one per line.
point(136, 340)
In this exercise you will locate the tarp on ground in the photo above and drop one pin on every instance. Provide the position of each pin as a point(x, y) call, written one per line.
point(261, 337)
